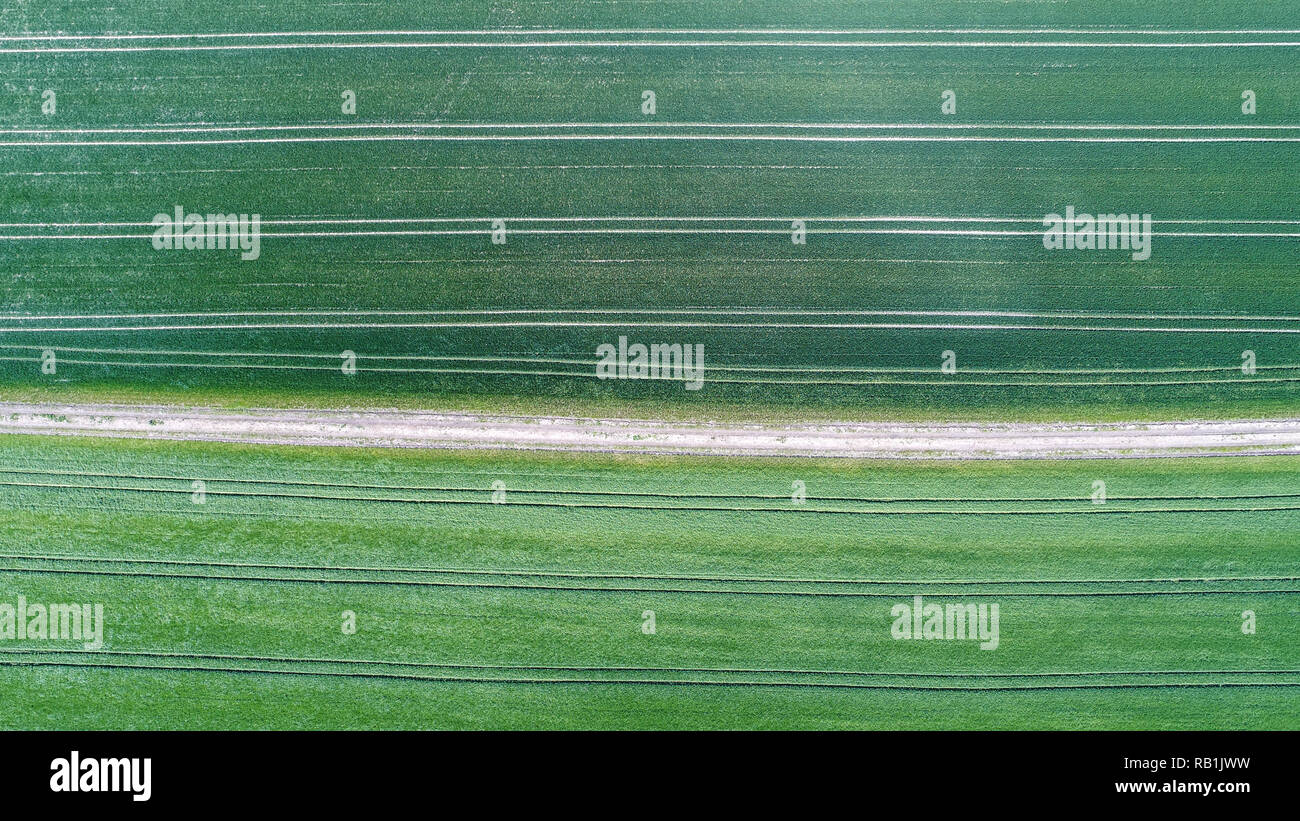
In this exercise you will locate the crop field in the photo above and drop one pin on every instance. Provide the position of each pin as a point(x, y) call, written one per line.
point(923, 229)
point(841, 209)
point(528, 612)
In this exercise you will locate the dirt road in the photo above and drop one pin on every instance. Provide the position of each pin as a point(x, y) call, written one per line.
point(413, 429)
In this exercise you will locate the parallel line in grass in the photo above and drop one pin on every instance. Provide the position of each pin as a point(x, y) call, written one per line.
point(835, 326)
point(644, 137)
point(581, 42)
point(203, 128)
point(295, 169)
point(628, 668)
point(782, 232)
point(540, 30)
point(626, 681)
point(955, 383)
point(334, 355)
point(20, 471)
point(189, 511)
point(1092, 510)
point(634, 576)
point(593, 589)
point(553, 166)
point(697, 311)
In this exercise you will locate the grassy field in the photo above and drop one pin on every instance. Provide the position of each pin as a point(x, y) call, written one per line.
point(381, 219)
point(448, 585)
point(515, 590)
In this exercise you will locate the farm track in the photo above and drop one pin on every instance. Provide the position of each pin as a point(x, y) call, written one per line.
point(559, 581)
point(724, 677)
point(542, 573)
point(862, 440)
point(562, 492)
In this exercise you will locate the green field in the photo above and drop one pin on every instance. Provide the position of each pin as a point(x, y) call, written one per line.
point(448, 585)
point(352, 213)
point(529, 610)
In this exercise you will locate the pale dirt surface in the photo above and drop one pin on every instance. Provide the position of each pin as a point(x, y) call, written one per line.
point(414, 429)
